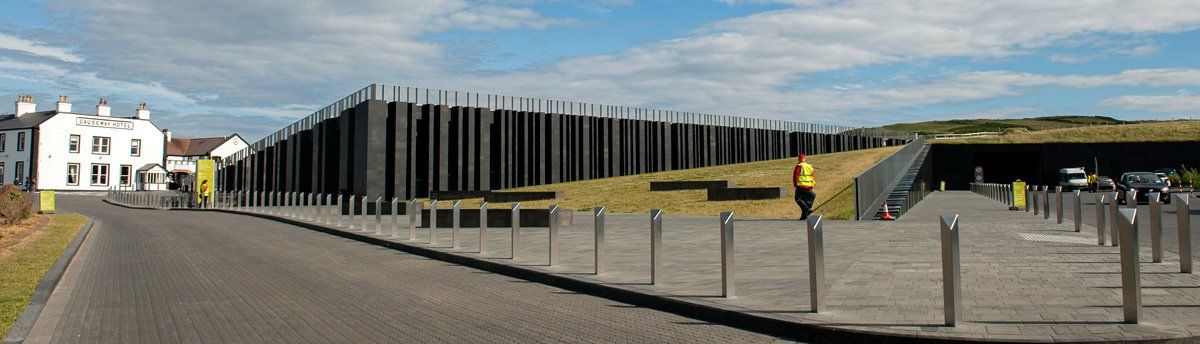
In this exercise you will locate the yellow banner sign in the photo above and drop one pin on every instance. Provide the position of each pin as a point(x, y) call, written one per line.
point(1018, 190)
point(204, 178)
point(46, 201)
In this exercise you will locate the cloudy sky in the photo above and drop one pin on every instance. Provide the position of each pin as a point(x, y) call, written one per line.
point(216, 66)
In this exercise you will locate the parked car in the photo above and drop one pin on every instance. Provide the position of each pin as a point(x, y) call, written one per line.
point(1144, 183)
point(1104, 183)
point(1164, 178)
point(1072, 178)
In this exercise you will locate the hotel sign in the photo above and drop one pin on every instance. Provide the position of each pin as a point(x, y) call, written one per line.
point(104, 123)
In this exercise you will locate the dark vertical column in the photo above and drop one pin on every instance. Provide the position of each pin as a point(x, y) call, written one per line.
point(454, 149)
point(485, 148)
point(422, 157)
point(369, 167)
point(541, 138)
point(586, 146)
point(556, 144)
point(441, 139)
point(318, 137)
point(346, 152)
point(305, 157)
point(470, 121)
point(402, 119)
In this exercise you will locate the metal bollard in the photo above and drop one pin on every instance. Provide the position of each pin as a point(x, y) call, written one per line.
point(414, 216)
point(1155, 226)
point(516, 229)
point(727, 264)
point(598, 218)
point(454, 209)
point(350, 212)
point(1131, 199)
point(395, 217)
point(363, 215)
point(1131, 283)
point(433, 216)
point(1036, 202)
point(337, 210)
point(1046, 202)
point(1183, 219)
point(379, 216)
point(1027, 200)
point(951, 272)
point(483, 226)
point(1114, 233)
point(656, 246)
point(553, 218)
point(1078, 212)
point(1058, 199)
point(816, 262)
point(327, 211)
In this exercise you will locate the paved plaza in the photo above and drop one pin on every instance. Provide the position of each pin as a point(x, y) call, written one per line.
point(153, 276)
point(1024, 278)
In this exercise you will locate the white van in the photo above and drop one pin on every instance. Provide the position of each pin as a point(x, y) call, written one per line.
point(1074, 178)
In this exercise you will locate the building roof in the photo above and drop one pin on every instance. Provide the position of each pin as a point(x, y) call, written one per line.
point(148, 167)
point(26, 121)
point(179, 146)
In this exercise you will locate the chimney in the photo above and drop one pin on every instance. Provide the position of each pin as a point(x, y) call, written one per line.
point(25, 105)
point(142, 113)
point(167, 133)
point(64, 103)
point(102, 109)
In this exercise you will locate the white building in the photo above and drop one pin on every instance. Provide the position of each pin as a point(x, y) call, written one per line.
point(65, 150)
point(182, 153)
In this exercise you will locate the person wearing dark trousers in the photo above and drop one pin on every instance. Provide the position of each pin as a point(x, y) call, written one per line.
point(804, 181)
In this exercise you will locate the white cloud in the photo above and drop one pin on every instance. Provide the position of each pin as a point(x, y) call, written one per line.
point(1182, 103)
point(35, 48)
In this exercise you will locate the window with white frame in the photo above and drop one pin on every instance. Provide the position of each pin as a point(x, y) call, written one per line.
point(73, 144)
point(135, 147)
point(21, 142)
point(3, 141)
point(72, 174)
point(20, 173)
point(100, 144)
point(126, 175)
point(99, 174)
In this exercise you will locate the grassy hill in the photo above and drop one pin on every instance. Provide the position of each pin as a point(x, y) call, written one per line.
point(1166, 131)
point(631, 194)
point(964, 126)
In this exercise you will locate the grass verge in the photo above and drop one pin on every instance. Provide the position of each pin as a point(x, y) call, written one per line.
point(23, 264)
point(1166, 131)
point(631, 194)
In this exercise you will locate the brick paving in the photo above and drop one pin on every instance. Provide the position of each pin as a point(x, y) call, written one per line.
point(1024, 278)
point(149, 276)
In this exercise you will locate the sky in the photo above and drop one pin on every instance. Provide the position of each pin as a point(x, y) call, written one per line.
point(213, 67)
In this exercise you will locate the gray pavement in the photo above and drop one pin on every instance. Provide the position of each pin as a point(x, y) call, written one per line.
point(150, 276)
point(1170, 230)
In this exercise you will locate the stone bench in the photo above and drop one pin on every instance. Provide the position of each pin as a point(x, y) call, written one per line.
point(735, 194)
point(521, 196)
point(689, 185)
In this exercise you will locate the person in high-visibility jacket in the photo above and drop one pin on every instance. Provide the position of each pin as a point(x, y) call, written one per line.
point(804, 181)
point(1091, 180)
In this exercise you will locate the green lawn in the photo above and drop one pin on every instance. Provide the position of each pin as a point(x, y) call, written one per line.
point(1167, 131)
point(23, 265)
point(964, 126)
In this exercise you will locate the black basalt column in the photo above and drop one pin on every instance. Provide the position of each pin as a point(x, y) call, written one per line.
point(442, 150)
point(370, 149)
point(346, 153)
point(484, 163)
point(556, 167)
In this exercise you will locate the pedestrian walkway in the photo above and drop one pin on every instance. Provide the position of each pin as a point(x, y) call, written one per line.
point(1024, 278)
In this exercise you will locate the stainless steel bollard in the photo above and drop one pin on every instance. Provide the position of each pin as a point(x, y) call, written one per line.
point(433, 216)
point(1058, 199)
point(1131, 283)
point(598, 218)
point(951, 272)
point(553, 232)
point(727, 263)
point(350, 212)
point(414, 216)
point(1027, 200)
point(379, 216)
point(1155, 226)
point(337, 211)
point(1046, 202)
point(395, 217)
point(1184, 221)
point(1131, 199)
point(327, 211)
point(1078, 212)
point(656, 246)
point(454, 210)
point(516, 229)
point(1036, 205)
point(363, 215)
point(483, 226)
point(816, 262)
point(1114, 233)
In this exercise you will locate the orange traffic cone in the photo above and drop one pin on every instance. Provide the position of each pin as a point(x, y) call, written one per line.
point(887, 215)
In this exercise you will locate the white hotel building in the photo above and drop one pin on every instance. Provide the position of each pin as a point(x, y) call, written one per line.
point(65, 150)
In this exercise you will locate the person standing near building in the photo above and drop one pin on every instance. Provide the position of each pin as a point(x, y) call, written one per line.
point(804, 181)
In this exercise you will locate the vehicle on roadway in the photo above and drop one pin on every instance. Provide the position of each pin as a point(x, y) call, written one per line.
point(1164, 178)
point(1143, 183)
point(1073, 178)
point(1104, 183)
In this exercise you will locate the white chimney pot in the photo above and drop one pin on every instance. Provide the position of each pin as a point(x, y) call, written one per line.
point(64, 104)
point(25, 105)
point(141, 112)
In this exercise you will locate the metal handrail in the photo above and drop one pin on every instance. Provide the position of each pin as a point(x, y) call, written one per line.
point(873, 185)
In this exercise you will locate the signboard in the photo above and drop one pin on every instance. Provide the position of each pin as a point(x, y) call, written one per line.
point(1018, 190)
point(46, 201)
point(204, 178)
point(978, 174)
point(943, 187)
point(103, 123)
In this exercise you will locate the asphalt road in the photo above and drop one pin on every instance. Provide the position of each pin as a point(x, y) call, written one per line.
point(148, 276)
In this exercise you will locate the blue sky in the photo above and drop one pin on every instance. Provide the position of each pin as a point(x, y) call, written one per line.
point(221, 66)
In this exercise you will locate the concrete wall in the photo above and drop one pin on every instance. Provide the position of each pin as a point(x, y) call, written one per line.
point(1039, 163)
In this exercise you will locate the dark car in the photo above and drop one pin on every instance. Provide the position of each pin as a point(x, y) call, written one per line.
point(1104, 183)
point(1144, 183)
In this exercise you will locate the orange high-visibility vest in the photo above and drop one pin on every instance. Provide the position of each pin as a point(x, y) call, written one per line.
point(805, 179)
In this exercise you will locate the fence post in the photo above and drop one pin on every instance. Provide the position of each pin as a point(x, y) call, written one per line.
point(1058, 198)
point(598, 218)
point(553, 233)
point(951, 273)
point(483, 226)
point(395, 217)
point(1155, 226)
point(1131, 284)
point(1183, 219)
point(454, 210)
point(816, 262)
point(656, 246)
point(516, 229)
point(727, 264)
point(433, 217)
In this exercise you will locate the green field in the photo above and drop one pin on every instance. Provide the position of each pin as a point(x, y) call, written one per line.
point(1165, 131)
point(964, 126)
point(631, 194)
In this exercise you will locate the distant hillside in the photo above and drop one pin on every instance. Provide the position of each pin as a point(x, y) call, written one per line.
point(964, 126)
point(1150, 131)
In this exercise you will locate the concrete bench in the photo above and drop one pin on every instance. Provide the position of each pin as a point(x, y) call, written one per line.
point(521, 196)
point(734, 194)
point(689, 185)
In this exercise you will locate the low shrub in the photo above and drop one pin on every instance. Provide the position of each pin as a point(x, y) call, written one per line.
point(1189, 176)
point(14, 206)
